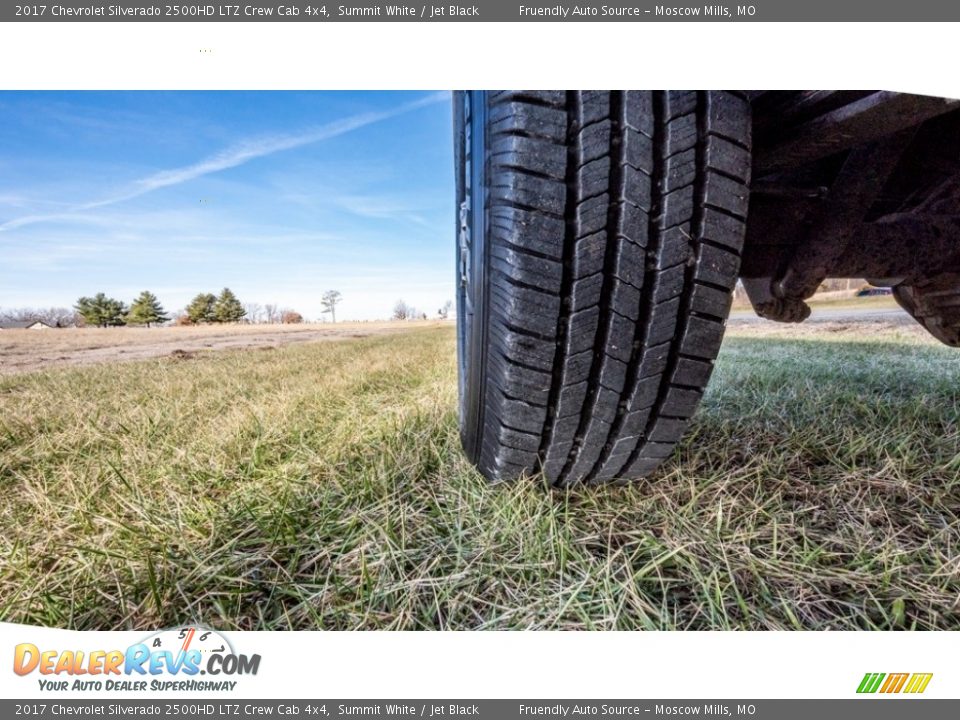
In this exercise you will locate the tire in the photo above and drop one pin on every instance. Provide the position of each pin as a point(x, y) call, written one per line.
point(599, 244)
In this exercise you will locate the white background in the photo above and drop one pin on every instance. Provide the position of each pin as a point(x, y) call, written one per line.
point(541, 665)
point(919, 58)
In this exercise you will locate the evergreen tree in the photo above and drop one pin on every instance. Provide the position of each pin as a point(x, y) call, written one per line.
point(228, 308)
point(86, 309)
point(202, 309)
point(146, 310)
point(101, 311)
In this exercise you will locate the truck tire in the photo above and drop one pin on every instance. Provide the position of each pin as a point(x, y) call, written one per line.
point(599, 239)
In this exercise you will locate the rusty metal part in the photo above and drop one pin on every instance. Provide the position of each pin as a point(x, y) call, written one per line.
point(773, 308)
point(944, 199)
point(904, 246)
point(907, 246)
point(788, 310)
point(870, 118)
point(860, 180)
point(935, 304)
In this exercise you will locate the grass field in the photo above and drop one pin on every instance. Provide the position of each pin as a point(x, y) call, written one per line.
point(320, 485)
point(871, 302)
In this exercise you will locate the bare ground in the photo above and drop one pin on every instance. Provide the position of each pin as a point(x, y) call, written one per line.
point(28, 350)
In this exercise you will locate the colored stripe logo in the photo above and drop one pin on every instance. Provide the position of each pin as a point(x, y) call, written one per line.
point(912, 683)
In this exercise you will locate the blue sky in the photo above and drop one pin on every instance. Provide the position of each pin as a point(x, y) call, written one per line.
point(278, 195)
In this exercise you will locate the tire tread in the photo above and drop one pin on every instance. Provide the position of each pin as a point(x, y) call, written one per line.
point(616, 225)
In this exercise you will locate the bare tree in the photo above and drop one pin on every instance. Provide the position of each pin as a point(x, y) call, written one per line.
point(52, 316)
point(59, 316)
point(290, 317)
point(402, 311)
point(444, 312)
point(254, 312)
point(271, 313)
point(329, 303)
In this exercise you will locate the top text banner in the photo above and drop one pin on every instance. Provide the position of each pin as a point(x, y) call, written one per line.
point(484, 11)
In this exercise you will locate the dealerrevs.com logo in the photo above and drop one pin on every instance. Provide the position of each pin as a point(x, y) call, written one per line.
point(167, 660)
point(892, 683)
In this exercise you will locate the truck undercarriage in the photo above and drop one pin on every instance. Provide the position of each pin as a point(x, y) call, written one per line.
point(855, 184)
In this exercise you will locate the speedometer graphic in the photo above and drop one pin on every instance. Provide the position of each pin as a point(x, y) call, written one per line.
point(183, 639)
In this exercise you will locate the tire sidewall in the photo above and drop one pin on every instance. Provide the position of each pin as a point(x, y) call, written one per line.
point(470, 138)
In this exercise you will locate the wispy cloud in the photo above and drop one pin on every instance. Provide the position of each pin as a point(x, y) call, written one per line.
point(382, 207)
point(230, 157)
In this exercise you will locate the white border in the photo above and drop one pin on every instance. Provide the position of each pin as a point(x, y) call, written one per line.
point(919, 58)
point(908, 57)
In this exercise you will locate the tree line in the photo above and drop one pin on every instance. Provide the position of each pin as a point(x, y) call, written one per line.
point(101, 310)
point(205, 308)
point(52, 316)
point(405, 311)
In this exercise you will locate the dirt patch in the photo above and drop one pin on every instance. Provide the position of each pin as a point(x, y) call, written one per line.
point(27, 350)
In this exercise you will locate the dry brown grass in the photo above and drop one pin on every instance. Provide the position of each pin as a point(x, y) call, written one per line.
point(321, 485)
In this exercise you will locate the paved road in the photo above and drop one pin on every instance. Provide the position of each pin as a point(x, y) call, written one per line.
point(894, 316)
